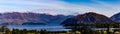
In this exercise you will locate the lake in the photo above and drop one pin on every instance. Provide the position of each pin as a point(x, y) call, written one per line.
point(46, 27)
point(38, 27)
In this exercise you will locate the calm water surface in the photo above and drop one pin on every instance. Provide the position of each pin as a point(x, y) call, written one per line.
point(38, 27)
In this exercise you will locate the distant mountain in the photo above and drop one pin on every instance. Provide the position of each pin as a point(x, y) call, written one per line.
point(116, 17)
point(17, 18)
point(87, 18)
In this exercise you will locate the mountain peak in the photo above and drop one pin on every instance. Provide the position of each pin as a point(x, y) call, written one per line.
point(91, 13)
point(20, 18)
point(88, 18)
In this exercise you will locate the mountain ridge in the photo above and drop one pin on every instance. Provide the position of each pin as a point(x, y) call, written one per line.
point(116, 17)
point(87, 18)
point(17, 18)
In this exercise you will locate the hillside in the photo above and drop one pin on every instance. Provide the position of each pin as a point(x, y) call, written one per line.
point(87, 18)
point(116, 17)
point(17, 18)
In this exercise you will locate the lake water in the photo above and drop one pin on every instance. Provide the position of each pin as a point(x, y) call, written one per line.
point(46, 27)
point(38, 27)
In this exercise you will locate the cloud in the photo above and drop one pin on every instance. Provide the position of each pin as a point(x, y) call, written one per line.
point(48, 5)
point(108, 8)
point(58, 7)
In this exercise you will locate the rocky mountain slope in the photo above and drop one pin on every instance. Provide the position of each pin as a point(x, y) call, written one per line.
point(87, 18)
point(17, 18)
point(116, 17)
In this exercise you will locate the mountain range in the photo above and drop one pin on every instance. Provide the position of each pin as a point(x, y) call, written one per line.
point(88, 18)
point(17, 18)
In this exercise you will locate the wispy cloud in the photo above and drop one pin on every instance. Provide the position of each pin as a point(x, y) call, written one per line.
point(59, 6)
point(108, 8)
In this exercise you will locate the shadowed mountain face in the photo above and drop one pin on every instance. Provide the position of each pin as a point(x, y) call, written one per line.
point(87, 18)
point(116, 17)
point(16, 18)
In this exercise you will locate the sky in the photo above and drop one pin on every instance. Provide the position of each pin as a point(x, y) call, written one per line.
point(66, 7)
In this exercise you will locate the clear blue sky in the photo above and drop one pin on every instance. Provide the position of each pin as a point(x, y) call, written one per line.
point(106, 7)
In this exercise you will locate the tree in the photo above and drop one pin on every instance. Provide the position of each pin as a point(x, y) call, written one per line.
point(43, 32)
point(5, 30)
point(16, 31)
point(8, 31)
point(24, 31)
